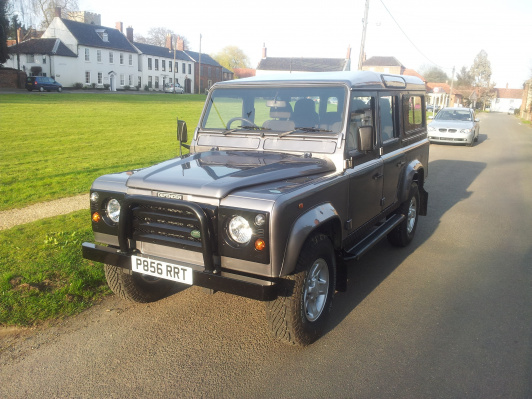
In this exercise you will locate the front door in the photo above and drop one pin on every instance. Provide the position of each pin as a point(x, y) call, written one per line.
point(366, 175)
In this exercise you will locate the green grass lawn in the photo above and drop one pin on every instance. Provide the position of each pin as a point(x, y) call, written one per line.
point(55, 144)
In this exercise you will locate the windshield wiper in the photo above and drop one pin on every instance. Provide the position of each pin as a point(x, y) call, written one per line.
point(245, 128)
point(304, 129)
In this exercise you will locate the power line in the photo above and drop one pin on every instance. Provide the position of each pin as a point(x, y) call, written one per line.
point(411, 42)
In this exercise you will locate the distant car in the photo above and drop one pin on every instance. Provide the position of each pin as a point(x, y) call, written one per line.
point(454, 125)
point(511, 111)
point(434, 108)
point(42, 83)
point(169, 88)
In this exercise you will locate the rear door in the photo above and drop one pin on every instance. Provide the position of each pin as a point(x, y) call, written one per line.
point(393, 156)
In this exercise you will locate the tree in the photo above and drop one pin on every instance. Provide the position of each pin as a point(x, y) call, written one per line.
point(157, 37)
point(4, 28)
point(232, 57)
point(434, 74)
point(464, 78)
point(44, 10)
point(481, 74)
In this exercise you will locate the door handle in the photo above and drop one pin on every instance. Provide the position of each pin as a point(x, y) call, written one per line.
point(399, 164)
point(377, 176)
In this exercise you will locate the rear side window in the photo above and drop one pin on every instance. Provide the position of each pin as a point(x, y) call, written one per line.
point(413, 113)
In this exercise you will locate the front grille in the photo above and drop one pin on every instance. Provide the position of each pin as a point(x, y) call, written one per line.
point(443, 130)
point(174, 226)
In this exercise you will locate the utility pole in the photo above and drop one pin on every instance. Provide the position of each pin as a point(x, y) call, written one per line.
point(363, 42)
point(199, 78)
point(451, 91)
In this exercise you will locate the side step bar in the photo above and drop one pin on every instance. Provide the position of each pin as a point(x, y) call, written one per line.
point(373, 238)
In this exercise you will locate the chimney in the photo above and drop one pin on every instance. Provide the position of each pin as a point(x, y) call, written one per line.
point(19, 35)
point(180, 44)
point(120, 26)
point(263, 50)
point(129, 33)
point(58, 12)
point(168, 44)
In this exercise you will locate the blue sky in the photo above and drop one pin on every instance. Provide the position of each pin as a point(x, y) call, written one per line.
point(449, 33)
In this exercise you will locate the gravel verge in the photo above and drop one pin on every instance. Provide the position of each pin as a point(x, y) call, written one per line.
point(15, 217)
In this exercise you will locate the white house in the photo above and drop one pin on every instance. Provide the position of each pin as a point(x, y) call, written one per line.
point(506, 99)
point(76, 52)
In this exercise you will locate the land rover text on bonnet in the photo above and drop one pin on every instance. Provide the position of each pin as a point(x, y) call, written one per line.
point(288, 178)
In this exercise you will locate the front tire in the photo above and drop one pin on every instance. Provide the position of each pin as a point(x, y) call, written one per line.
point(136, 287)
point(299, 315)
point(404, 232)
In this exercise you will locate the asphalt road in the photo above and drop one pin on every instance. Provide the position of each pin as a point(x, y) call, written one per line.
point(448, 317)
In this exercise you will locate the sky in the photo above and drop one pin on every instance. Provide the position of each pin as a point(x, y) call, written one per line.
point(419, 33)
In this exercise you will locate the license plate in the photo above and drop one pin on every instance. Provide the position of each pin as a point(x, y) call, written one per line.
point(157, 268)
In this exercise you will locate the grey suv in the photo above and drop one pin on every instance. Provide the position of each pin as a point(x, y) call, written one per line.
point(287, 179)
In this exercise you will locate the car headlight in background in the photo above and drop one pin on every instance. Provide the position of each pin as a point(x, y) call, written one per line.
point(112, 209)
point(465, 131)
point(239, 230)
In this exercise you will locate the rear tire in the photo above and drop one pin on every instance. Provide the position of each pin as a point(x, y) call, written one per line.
point(299, 315)
point(404, 232)
point(59, 89)
point(136, 287)
point(41, 89)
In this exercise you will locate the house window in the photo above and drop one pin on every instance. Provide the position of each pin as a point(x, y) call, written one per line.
point(111, 57)
point(87, 55)
point(87, 77)
point(183, 68)
point(100, 78)
point(140, 81)
point(122, 80)
point(190, 69)
point(169, 66)
point(156, 64)
point(99, 55)
point(163, 65)
point(121, 58)
point(149, 82)
point(130, 59)
point(44, 59)
point(149, 64)
point(130, 80)
point(156, 82)
point(176, 66)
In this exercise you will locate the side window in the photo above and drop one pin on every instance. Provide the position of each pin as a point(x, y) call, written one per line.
point(361, 113)
point(412, 113)
point(386, 117)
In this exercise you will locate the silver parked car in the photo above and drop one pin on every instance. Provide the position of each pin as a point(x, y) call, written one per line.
point(454, 125)
point(170, 88)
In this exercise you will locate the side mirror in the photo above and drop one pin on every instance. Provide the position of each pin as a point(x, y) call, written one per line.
point(366, 138)
point(182, 135)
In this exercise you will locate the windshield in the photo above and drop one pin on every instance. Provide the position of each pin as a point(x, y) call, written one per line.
point(276, 109)
point(455, 115)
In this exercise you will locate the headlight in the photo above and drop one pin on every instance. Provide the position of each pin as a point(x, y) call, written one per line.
point(465, 130)
point(431, 129)
point(239, 230)
point(112, 209)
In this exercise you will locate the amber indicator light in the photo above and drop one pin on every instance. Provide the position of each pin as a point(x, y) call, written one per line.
point(96, 217)
point(260, 244)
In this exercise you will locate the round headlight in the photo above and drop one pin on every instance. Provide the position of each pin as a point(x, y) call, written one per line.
point(112, 210)
point(239, 230)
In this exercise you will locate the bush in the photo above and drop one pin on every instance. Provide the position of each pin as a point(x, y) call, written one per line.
point(93, 85)
point(78, 86)
point(146, 88)
point(126, 87)
point(106, 86)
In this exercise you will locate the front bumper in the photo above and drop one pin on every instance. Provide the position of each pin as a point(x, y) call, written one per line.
point(218, 280)
point(456, 138)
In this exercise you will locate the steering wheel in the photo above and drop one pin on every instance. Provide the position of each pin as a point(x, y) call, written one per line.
point(240, 119)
